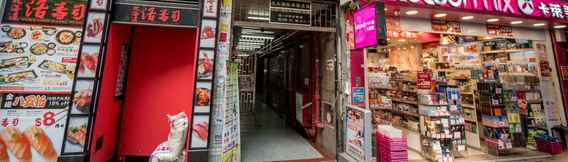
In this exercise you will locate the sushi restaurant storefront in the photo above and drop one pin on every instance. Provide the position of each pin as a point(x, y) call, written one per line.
point(91, 79)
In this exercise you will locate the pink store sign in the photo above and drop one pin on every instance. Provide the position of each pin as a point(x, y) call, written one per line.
point(365, 26)
point(548, 9)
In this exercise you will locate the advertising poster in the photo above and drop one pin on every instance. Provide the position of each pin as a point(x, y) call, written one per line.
point(446, 26)
point(205, 65)
point(83, 97)
point(95, 27)
point(32, 126)
point(208, 30)
point(200, 131)
point(231, 128)
point(76, 134)
point(358, 133)
point(47, 12)
point(564, 72)
point(89, 61)
point(99, 4)
point(365, 26)
point(210, 8)
point(357, 78)
point(202, 97)
point(37, 58)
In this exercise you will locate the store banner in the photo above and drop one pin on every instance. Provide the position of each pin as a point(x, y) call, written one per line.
point(47, 12)
point(358, 133)
point(167, 14)
point(550, 9)
point(33, 122)
point(370, 25)
point(38, 59)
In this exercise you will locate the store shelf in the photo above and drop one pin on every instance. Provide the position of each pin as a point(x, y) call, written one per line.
point(469, 120)
point(406, 102)
point(507, 51)
point(495, 126)
point(468, 106)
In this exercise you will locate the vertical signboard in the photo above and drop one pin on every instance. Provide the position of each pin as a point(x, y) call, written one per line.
point(370, 25)
point(357, 78)
point(358, 133)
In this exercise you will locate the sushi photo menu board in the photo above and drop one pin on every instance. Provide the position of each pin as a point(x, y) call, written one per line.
point(32, 127)
point(38, 59)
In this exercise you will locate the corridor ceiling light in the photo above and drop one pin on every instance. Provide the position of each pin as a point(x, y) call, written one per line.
point(516, 22)
point(258, 18)
point(402, 40)
point(559, 26)
point(539, 24)
point(412, 12)
point(256, 37)
point(492, 20)
point(467, 17)
point(438, 15)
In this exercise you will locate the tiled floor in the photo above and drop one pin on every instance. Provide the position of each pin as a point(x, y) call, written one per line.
point(274, 141)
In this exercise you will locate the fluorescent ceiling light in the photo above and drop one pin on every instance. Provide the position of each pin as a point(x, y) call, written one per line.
point(516, 22)
point(492, 20)
point(258, 18)
point(559, 26)
point(438, 15)
point(256, 37)
point(467, 17)
point(539, 24)
point(412, 12)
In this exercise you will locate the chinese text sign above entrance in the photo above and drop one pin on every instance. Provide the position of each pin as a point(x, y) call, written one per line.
point(49, 12)
point(550, 9)
point(161, 15)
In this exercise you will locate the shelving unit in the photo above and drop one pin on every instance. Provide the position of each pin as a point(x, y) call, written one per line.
point(494, 118)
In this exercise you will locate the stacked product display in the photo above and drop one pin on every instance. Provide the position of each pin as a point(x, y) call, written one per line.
point(392, 145)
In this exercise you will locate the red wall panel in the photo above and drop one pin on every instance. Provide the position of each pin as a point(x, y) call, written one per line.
point(160, 82)
point(108, 109)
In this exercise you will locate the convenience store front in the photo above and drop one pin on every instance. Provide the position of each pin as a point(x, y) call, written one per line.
point(457, 84)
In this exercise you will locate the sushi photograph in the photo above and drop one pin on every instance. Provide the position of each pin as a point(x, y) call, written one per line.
point(203, 97)
point(83, 97)
point(200, 131)
point(76, 134)
point(205, 64)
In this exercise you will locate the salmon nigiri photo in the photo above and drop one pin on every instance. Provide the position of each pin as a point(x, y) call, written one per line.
point(3, 151)
point(41, 143)
point(17, 144)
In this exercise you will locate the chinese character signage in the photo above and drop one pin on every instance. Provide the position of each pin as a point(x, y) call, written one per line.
point(500, 30)
point(365, 27)
point(159, 15)
point(446, 26)
point(39, 125)
point(553, 9)
point(38, 58)
point(290, 12)
point(47, 12)
point(35, 101)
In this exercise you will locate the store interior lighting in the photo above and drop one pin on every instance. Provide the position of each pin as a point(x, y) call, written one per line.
point(467, 17)
point(539, 24)
point(492, 20)
point(516, 22)
point(559, 26)
point(439, 15)
point(412, 12)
